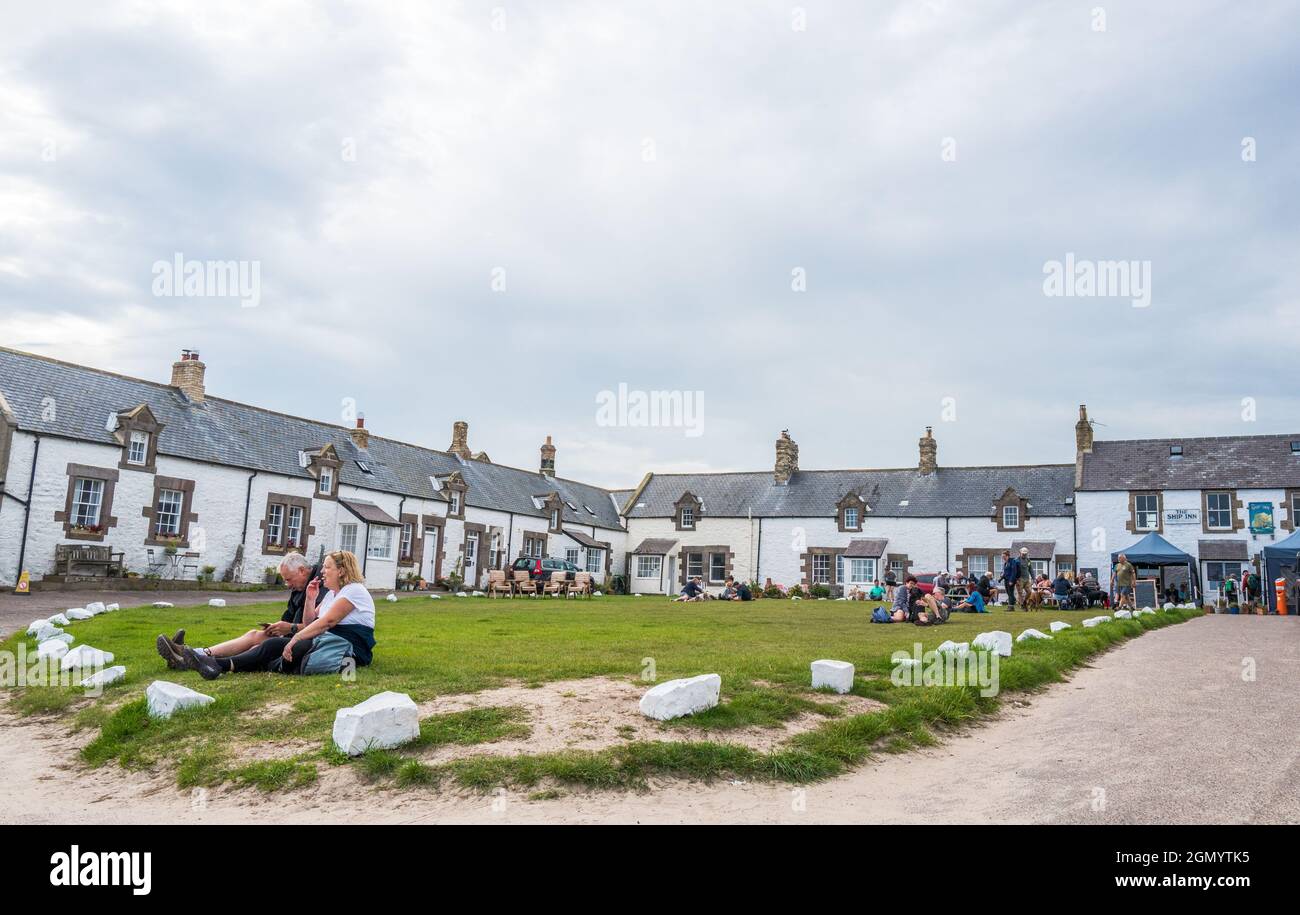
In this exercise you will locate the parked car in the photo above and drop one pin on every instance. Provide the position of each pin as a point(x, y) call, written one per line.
point(925, 581)
point(541, 569)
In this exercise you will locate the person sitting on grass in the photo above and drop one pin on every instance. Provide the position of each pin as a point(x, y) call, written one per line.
point(296, 572)
point(877, 591)
point(974, 603)
point(693, 591)
point(932, 609)
point(743, 592)
point(346, 611)
point(728, 589)
point(905, 596)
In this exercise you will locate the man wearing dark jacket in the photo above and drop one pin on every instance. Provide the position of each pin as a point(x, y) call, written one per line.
point(1010, 575)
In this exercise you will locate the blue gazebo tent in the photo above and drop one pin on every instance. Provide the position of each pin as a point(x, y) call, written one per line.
point(1281, 560)
point(1154, 550)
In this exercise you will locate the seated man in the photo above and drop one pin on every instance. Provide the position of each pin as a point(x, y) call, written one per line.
point(743, 591)
point(877, 592)
point(905, 597)
point(297, 573)
point(974, 603)
point(693, 591)
point(932, 609)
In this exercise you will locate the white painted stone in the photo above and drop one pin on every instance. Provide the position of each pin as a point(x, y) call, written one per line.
point(951, 647)
point(94, 608)
point(1031, 634)
point(78, 613)
point(384, 720)
point(687, 696)
point(109, 608)
point(162, 605)
point(997, 641)
point(217, 602)
point(838, 675)
point(1095, 621)
point(907, 662)
point(1123, 615)
point(85, 656)
point(597, 594)
point(104, 677)
point(435, 597)
point(1167, 606)
point(165, 698)
point(1057, 626)
point(53, 634)
point(478, 594)
point(53, 649)
point(59, 619)
point(38, 625)
point(461, 594)
point(392, 598)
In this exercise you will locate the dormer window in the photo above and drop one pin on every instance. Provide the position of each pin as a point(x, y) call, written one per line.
point(138, 449)
point(325, 485)
point(850, 511)
point(455, 503)
point(555, 518)
point(687, 512)
point(1011, 516)
point(851, 517)
point(1011, 511)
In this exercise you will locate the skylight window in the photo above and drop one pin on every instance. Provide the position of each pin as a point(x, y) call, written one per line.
point(365, 468)
point(1295, 447)
point(591, 511)
point(1175, 451)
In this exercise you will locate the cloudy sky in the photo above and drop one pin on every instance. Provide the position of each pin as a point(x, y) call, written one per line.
point(833, 218)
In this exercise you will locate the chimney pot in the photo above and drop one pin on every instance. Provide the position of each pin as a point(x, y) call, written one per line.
point(187, 374)
point(460, 440)
point(929, 448)
point(787, 458)
point(360, 435)
point(547, 466)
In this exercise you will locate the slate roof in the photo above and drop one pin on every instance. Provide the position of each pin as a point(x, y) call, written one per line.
point(1038, 549)
point(866, 548)
point(369, 512)
point(948, 492)
point(1232, 461)
point(1222, 550)
point(238, 435)
point(653, 546)
point(584, 539)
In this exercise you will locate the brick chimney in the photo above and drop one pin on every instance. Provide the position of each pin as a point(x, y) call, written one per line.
point(360, 435)
point(460, 439)
point(787, 458)
point(1083, 432)
point(548, 458)
point(929, 453)
point(187, 374)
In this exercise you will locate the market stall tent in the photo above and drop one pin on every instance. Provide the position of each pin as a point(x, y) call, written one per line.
point(1154, 550)
point(1281, 560)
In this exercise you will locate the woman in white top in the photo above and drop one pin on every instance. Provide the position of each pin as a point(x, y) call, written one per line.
point(346, 609)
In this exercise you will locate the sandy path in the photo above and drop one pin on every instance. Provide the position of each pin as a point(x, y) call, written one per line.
point(1162, 729)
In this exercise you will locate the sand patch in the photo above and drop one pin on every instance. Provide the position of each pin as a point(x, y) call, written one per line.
point(600, 712)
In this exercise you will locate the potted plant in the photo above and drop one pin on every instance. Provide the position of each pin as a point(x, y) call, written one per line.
point(269, 575)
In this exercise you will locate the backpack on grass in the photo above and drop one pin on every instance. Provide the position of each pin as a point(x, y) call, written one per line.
point(328, 654)
point(881, 615)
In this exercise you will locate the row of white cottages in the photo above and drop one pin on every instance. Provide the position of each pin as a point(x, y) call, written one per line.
point(177, 481)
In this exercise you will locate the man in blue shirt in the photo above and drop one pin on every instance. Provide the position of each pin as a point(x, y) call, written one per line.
point(972, 604)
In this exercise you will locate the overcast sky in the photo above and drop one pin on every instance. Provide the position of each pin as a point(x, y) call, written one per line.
point(650, 182)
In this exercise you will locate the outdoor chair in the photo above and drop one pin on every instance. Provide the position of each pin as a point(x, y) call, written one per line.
point(558, 584)
point(581, 584)
point(523, 584)
point(499, 584)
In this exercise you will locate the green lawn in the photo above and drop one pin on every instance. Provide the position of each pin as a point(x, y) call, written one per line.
point(429, 648)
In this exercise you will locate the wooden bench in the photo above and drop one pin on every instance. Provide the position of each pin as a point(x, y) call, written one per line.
point(71, 555)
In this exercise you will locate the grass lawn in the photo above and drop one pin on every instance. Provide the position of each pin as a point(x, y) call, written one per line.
point(430, 648)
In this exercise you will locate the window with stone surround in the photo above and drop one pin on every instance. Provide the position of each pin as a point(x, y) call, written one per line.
point(687, 511)
point(286, 524)
point(1011, 520)
point(1218, 511)
point(170, 513)
point(137, 452)
point(137, 431)
point(1144, 511)
point(87, 512)
point(648, 566)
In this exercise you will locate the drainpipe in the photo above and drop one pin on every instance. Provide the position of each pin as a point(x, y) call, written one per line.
point(510, 540)
point(365, 554)
point(946, 548)
point(758, 561)
point(248, 501)
point(27, 507)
